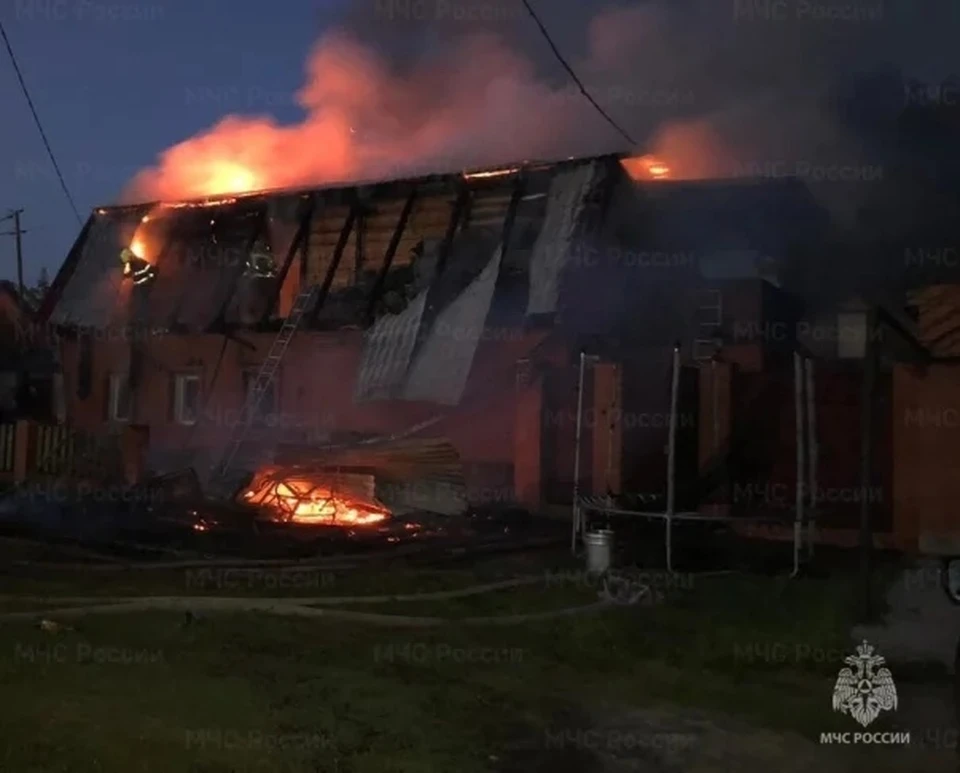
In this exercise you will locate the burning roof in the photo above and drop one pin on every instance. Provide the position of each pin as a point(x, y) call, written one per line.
point(409, 261)
point(204, 249)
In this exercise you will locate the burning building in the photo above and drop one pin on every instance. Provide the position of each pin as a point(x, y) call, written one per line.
point(421, 331)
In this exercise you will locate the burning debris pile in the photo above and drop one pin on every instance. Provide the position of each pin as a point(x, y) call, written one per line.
point(318, 498)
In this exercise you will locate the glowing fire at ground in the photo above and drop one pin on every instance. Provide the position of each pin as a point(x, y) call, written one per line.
point(645, 168)
point(304, 501)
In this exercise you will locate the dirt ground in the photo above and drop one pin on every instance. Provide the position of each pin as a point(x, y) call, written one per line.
point(682, 740)
point(708, 675)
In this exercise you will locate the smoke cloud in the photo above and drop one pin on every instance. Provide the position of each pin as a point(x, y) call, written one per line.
point(716, 89)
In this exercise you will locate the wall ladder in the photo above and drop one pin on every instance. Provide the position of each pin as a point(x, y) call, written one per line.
point(265, 376)
point(709, 324)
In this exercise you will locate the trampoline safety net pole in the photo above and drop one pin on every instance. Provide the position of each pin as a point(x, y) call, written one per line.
point(672, 455)
point(813, 452)
point(798, 411)
point(577, 525)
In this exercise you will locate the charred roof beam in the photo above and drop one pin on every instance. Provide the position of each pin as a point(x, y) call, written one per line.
point(335, 261)
point(519, 189)
point(460, 207)
point(390, 255)
point(259, 225)
point(299, 243)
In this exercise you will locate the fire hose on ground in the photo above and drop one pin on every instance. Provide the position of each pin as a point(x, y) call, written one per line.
point(305, 607)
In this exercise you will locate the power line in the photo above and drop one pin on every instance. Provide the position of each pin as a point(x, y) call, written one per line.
point(569, 69)
point(36, 118)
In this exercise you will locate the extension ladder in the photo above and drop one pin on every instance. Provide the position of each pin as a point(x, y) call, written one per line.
point(265, 376)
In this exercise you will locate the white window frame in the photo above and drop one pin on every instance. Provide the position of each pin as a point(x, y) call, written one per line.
point(180, 384)
point(117, 382)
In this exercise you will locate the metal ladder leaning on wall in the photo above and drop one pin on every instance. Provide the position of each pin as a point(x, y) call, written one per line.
point(709, 323)
point(265, 376)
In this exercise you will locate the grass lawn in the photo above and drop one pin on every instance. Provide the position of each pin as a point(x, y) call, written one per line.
point(153, 693)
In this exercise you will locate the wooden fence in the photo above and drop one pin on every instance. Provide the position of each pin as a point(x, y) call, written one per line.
point(8, 436)
point(31, 450)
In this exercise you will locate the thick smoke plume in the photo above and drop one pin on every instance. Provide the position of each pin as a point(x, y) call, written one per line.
point(364, 122)
point(715, 89)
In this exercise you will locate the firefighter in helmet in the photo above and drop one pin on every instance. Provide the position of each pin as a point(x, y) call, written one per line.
point(136, 267)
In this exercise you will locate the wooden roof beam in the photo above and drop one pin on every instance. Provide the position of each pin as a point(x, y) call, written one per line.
point(338, 251)
point(390, 254)
point(299, 243)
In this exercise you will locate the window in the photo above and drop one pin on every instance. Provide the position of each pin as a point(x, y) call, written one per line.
point(118, 406)
point(268, 403)
point(186, 400)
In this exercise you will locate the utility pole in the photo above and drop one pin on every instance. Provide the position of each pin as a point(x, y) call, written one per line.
point(17, 232)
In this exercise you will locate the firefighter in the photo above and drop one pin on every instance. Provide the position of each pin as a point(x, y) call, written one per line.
point(260, 262)
point(136, 267)
point(127, 257)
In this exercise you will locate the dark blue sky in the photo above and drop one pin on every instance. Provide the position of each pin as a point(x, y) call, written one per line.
point(113, 92)
point(116, 82)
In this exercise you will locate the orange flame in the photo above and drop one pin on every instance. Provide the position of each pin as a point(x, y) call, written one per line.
point(215, 202)
point(302, 501)
point(139, 244)
point(645, 168)
point(365, 121)
point(697, 150)
point(228, 176)
point(492, 173)
point(138, 247)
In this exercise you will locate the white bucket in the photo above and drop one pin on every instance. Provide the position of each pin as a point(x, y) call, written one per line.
point(599, 545)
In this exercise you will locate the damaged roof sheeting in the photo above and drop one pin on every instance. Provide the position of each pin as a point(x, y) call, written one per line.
point(387, 351)
point(198, 257)
point(92, 296)
point(221, 261)
point(568, 195)
point(416, 356)
point(201, 253)
point(426, 352)
point(440, 369)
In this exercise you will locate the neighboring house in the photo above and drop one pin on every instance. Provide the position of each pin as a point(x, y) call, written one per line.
point(450, 307)
point(925, 414)
point(27, 362)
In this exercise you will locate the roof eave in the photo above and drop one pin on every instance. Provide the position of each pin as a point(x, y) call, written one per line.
point(66, 270)
point(347, 185)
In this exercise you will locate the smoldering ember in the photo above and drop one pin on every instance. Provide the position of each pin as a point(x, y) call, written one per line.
point(483, 386)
